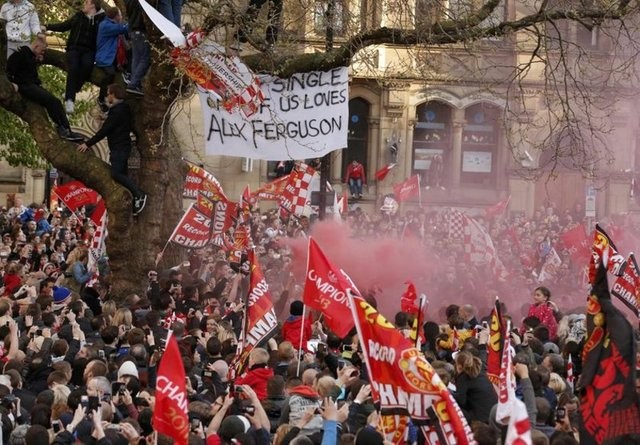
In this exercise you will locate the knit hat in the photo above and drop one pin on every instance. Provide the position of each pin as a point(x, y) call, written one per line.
point(222, 369)
point(296, 308)
point(61, 296)
point(231, 426)
point(128, 368)
point(369, 436)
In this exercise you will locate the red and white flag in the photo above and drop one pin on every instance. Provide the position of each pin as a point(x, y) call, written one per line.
point(550, 267)
point(296, 195)
point(407, 189)
point(325, 290)
point(384, 171)
point(199, 180)
point(193, 230)
point(627, 286)
point(570, 376)
point(511, 411)
point(405, 385)
point(478, 245)
point(170, 415)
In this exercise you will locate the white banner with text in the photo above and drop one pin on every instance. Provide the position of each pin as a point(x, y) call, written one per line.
point(304, 116)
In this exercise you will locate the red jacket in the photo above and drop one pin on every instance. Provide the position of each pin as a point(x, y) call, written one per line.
point(355, 171)
point(291, 329)
point(257, 378)
point(544, 313)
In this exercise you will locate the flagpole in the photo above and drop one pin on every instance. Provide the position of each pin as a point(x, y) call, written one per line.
point(418, 320)
point(356, 320)
point(304, 309)
point(419, 192)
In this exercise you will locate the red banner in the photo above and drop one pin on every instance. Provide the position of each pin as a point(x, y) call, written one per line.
point(75, 194)
point(407, 189)
point(627, 286)
point(272, 191)
point(170, 415)
point(577, 243)
point(405, 384)
point(193, 230)
point(199, 180)
point(325, 290)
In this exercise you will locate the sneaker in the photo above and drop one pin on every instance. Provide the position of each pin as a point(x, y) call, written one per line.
point(139, 203)
point(126, 78)
point(69, 106)
point(136, 91)
point(66, 133)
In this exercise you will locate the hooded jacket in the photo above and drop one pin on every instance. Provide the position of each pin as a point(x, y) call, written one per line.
point(301, 398)
point(257, 378)
point(83, 30)
point(291, 329)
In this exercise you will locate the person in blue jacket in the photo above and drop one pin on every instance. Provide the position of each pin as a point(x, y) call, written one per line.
point(109, 33)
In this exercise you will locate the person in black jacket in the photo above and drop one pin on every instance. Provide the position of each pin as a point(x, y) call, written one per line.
point(81, 47)
point(22, 70)
point(117, 129)
point(140, 49)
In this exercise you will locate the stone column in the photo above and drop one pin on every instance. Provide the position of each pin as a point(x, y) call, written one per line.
point(456, 147)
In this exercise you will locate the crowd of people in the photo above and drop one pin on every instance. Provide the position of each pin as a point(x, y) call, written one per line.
point(79, 364)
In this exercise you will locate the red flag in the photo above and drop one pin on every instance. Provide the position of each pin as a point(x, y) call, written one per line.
point(74, 194)
point(272, 191)
point(199, 180)
point(577, 243)
point(384, 171)
point(170, 415)
point(407, 189)
point(405, 384)
point(627, 286)
point(193, 230)
point(495, 345)
point(325, 290)
point(409, 299)
point(497, 209)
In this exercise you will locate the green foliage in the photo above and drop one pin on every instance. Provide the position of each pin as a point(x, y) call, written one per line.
point(17, 146)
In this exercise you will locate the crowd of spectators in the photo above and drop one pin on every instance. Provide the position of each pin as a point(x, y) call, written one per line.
point(79, 364)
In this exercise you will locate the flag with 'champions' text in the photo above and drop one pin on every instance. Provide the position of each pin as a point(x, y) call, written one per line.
point(170, 415)
point(325, 290)
point(405, 384)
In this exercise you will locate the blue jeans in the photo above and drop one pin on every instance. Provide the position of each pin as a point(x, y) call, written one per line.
point(355, 186)
point(139, 58)
point(172, 10)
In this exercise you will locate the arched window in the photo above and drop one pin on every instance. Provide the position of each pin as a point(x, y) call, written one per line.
point(358, 139)
point(480, 138)
point(431, 136)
